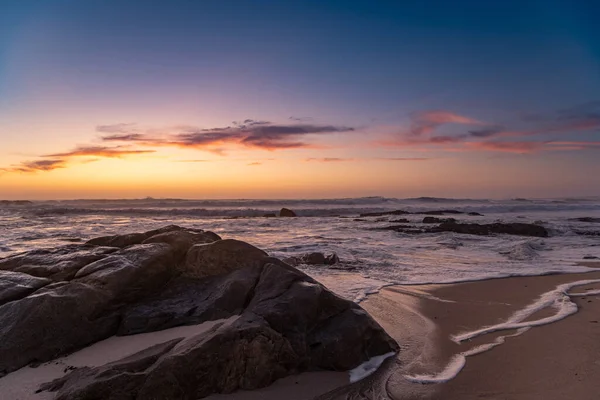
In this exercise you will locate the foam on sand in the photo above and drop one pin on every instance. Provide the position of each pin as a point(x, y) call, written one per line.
point(368, 367)
point(558, 299)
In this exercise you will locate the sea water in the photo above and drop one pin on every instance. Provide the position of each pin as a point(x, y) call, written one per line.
point(371, 258)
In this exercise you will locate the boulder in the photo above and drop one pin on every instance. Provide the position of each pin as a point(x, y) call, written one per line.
point(130, 239)
point(513, 228)
point(58, 264)
point(279, 320)
point(289, 323)
point(16, 285)
point(59, 318)
point(221, 257)
point(475, 214)
point(286, 212)
point(399, 221)
point(315, 258)
point(182, 240)
point(441, 212)
point(587, 219)
point(434, 220)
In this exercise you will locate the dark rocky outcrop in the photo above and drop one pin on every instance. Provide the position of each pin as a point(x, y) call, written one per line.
point(587, 219)
point(284, 321)
point(399, 221)
point(513, 228)
point(590, 258)
point(475, 214)
point(449, 225)
point(315, 258)
point(434, 220)
point(286, 212)
point(138, 238)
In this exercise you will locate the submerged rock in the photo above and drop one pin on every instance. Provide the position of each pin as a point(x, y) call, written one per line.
point(586, 219)
point(284, 322)
point(286, 212)
point(434, 220)
point(513, 228)
point(315, 258)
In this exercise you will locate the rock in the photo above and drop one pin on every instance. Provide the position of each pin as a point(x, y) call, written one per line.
point(132, 272)
point(221, 257)
point(58, 264)
point(289, 324)
point(332, 259)
point(315, 258)
point(269, 215)
point(475, 214)
point(587, 219)
point(590, 258)
point(281, 321)
point(59, 318)
point(513, 228)
point(16, 285)
point(130, 239)
point(441, 212)
point(399, 221)
point(383, 213)
point(434, 220)
point(182, 240)
point(286, 212)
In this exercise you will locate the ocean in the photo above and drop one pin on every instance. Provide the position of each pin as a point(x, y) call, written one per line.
point(370, 258)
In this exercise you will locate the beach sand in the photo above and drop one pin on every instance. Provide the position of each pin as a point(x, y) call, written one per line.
point(555, 361)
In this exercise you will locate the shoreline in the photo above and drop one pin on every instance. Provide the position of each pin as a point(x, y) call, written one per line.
point(519, 357)
point(423, 319)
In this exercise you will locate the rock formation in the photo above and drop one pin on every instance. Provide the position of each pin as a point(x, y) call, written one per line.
point(56, 301)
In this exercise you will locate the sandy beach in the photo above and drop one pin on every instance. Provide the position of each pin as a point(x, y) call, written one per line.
point(553, 361)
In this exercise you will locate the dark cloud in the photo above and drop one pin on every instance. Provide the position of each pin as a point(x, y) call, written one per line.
point(486, 132)
point(250, 132)
point(100, 151)
point(36, 166)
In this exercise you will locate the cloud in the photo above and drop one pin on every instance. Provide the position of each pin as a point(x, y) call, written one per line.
point(249, 132)
point(100, 151)
point(117, 128)
point(36, 166)
point(254, 163)
point(403, 158)
point(426, 122)
point(507, 147)
point(328, 159)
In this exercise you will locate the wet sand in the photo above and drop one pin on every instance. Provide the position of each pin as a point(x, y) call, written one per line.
point(554, 361)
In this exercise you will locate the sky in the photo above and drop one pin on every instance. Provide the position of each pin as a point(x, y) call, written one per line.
point(299, 99)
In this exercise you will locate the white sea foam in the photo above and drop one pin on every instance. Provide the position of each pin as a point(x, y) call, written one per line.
point(458, 362)
point(368, 367)
point(557, 299)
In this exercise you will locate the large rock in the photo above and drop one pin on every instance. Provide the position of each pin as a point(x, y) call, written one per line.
point(130, 239)
point(221, 257)
point(58, 264)
point(289, 323)
point(16, 285)
point(282, 321)
point(434, 220)
point(513, 228)
point(286, 212)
